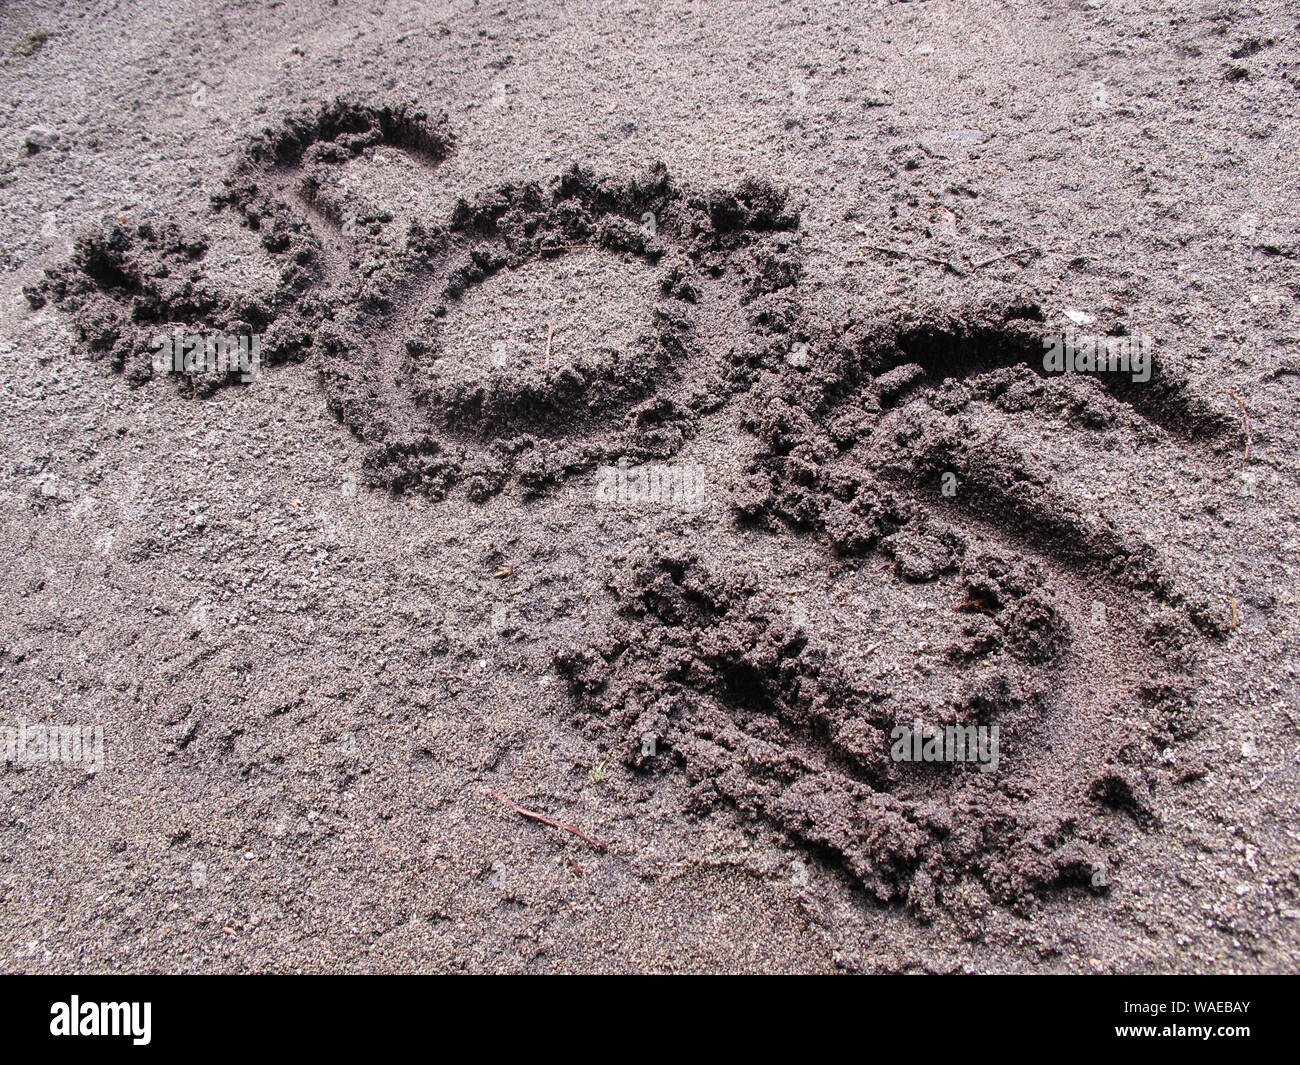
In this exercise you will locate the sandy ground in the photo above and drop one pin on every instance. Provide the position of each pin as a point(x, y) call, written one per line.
point(339, 623)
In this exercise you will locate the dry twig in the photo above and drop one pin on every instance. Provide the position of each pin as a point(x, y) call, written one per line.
point(547, 821)
point(946, 264)
point(1005, 255)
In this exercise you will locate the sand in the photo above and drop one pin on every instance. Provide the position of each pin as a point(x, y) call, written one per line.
point(651, 421)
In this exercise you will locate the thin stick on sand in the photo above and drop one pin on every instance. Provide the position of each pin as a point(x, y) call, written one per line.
point(899, 253)
point(547, 821)
point(1005, 255)
point(550, 334)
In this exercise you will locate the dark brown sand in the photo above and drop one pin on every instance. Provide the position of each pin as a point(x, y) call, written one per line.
point(653, 420)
